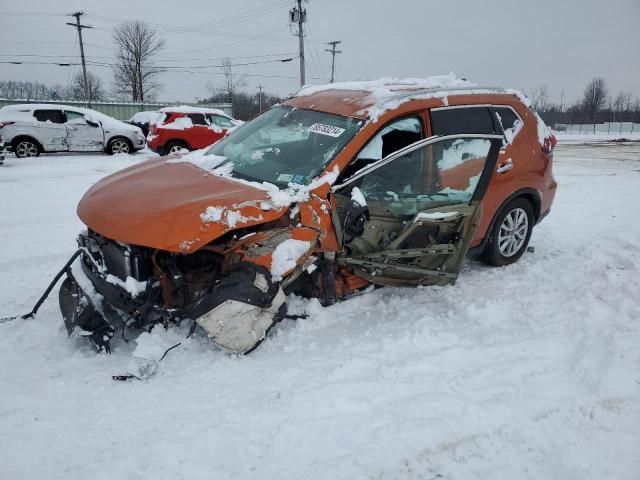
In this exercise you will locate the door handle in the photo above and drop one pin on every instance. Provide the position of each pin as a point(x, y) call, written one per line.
point(505, 167)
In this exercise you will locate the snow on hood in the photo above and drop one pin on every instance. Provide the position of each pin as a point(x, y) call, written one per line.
point(173, 206)
point(279, 198)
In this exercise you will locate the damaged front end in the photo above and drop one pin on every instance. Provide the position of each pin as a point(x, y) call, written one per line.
point(114, 285)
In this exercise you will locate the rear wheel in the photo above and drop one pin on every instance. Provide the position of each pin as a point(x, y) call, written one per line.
point(119, 145)
point(26, 148)
point(175, 146)
point(510, 234)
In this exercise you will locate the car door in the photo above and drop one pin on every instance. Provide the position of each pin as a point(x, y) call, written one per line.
point(405, 219)
point(50, 130)
point(200, 136)
point(83, 135)
point(486, 119)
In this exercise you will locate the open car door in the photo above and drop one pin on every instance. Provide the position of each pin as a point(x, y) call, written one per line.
point(409, 218)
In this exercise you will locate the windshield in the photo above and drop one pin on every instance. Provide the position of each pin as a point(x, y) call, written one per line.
point(286, 145)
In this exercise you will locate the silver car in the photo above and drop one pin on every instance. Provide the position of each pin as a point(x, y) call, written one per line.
point(32, 129)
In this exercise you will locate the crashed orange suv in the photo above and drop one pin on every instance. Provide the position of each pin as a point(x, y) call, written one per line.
point(342, 186)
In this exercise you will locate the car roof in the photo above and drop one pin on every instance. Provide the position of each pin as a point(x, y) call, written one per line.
point(370, 99)
point(24, 107)
point(190, 109)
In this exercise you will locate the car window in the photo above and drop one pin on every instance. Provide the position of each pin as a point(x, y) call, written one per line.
point(510, 122)
point(396, 135)
point(51, 116)
point(220, 121)
point(391, 138)
point(74, 117)
point(460, 120)
point(196, 118)
point(438, 174)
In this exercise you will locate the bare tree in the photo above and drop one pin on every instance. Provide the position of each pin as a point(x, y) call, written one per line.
point(540, 98)
point(135, 74)
point(230, 85)
point(94, 87)
point(595, 98)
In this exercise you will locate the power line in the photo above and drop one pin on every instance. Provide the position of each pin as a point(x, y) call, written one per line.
point(176, 70)
point(333, 52)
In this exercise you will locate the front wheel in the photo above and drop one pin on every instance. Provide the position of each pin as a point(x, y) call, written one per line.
point(119, 145)
point(26, 148)
point(510, 234)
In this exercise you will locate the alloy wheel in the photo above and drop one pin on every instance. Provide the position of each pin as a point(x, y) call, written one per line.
point(513, 232)
point(26, 149)
point(119, 146)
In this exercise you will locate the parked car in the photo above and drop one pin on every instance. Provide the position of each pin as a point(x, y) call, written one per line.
point(188, 128)
point(339, 187)
point(32, 129)
point(142, 120)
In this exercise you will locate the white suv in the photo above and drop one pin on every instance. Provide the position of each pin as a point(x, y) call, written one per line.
point(31, 129)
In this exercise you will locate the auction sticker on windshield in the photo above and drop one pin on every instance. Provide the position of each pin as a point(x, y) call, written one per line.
point(324, 129)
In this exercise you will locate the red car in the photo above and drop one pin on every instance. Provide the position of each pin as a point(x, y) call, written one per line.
point(189, 128)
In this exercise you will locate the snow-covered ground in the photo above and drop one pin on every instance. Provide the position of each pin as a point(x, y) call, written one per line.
point(526, 372)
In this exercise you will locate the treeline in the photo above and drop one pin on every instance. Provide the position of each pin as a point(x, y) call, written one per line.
point(596, 105)
point(17, 89)
point(245, 105)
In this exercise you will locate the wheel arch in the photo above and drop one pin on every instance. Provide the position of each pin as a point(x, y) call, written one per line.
point(529, 194)
point(119, 137)
point(18, 138)
point(165, 147)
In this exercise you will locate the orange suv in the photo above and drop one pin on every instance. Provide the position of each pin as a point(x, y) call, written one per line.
point(339, 187)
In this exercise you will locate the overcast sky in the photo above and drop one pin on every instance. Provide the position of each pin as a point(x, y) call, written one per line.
point(516, 44)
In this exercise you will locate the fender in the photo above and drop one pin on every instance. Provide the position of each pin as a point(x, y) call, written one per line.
point(529, 193)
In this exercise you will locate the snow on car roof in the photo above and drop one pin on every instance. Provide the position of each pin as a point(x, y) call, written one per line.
point(188, 109)
point(371, 98)
point(106, 120)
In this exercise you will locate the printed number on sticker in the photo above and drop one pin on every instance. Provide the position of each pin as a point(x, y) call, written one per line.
point(324, 129)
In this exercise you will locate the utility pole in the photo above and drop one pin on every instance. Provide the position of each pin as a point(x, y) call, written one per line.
point(79, 27)
point(333, 52)
point(299, 15)
point(260, 98)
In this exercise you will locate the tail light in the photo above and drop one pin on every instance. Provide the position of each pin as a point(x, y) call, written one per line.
point(4, 124)
point(549, 144)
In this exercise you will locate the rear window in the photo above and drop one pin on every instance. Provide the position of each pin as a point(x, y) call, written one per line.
point(507, 117)
point(53, 116)
point(453, 121)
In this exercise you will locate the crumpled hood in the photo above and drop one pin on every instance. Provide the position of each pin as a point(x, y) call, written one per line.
point(172, 206)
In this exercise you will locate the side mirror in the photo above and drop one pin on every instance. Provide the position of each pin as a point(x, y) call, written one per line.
point(356, 216)
point(91, 121)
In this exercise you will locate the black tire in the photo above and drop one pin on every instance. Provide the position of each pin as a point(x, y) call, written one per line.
point(508, 238)
point(175, 145)
point(119, 145)
point(26, 147)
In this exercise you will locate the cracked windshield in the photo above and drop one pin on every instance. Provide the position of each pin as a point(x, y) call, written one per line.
point(286, 145)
